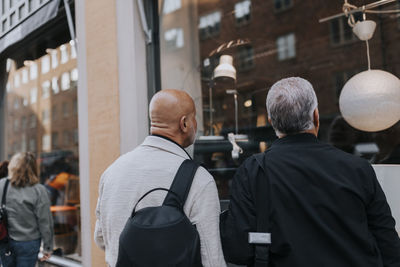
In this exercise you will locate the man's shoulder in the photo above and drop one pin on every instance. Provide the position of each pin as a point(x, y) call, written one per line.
point(202, 178)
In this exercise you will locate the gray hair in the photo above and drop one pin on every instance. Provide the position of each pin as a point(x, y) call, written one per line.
point(290, 105)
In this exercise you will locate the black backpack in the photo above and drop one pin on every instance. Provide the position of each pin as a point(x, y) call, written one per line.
point(162, 236)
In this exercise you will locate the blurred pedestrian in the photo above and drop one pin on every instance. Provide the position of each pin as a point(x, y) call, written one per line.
point(29, 216)
point(3, 169)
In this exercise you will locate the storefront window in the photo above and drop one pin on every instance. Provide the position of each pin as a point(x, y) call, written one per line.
point(270, 40)
point(41, 119)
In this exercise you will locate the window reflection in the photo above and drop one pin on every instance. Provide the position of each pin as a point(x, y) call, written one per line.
point(269, 40)
point(42, 119)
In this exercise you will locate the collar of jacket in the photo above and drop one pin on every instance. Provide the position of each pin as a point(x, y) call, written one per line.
point(167, 144)
point(296, 138)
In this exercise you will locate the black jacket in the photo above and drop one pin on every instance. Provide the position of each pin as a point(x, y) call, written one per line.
point(327, 209)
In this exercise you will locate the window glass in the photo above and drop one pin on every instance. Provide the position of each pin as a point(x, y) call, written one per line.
point(45, 64)
point(46, 89)
point(64, 54)
point(33, 95)
point(171, 6)
point(74, 75)
point(25, 76)
point(242, 12)
point(44, 123)
point(54, 58)
point(209, 25)
point(33, 71)
point(268, 41)
point(73, 49)
point(17, 80)
point(54, 85)
point(65, 81)
point(174, 38)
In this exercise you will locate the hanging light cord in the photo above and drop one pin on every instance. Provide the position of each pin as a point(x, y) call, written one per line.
point(369, 60)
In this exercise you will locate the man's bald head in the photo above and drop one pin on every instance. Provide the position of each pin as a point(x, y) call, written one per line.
point(171, 113)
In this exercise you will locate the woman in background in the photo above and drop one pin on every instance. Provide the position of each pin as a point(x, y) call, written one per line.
point(3, 169)
point(29, 216)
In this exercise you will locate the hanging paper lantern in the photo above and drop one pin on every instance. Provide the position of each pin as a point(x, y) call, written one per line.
point(370, 100)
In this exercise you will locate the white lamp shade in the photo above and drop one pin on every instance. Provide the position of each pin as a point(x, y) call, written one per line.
point(225, 68)
point(364, 29)
point(370, 100)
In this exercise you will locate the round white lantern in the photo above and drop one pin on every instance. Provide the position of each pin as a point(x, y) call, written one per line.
point(370, 100)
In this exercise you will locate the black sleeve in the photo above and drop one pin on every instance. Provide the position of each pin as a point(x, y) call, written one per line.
point(382, 225)
point(240, 219)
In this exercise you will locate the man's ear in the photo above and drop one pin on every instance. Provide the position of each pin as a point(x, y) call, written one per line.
point(183, 124)
point(269, 120)
point(316, 118)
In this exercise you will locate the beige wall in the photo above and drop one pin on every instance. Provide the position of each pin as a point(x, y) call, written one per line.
point(100, 71)
point(112, 99)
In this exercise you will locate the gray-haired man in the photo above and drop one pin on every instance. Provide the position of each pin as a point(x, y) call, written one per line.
point(323, 207)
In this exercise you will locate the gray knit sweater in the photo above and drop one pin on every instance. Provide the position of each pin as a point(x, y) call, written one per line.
point(29, 216)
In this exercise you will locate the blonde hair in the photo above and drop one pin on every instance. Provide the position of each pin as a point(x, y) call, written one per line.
point(23, 169)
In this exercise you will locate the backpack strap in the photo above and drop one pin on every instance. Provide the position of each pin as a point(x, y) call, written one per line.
point(181, 184)
point(3, 198)
point(263, 208)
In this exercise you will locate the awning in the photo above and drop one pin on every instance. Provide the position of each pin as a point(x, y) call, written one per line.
point(30, 24)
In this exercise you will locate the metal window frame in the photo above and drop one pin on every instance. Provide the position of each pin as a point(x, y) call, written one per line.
point(151, 25)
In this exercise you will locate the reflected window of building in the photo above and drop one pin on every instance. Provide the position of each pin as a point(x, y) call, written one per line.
point(31, 5)
point(171, 6)
point(32, 145)
point(245, 58)
point(21, 12)
point(17, 80)
point(76, 136)
point(340, 79)
point(286, 46)
point(174, 38)
point(75, 106)
point(24, 145)
point(33, 95)
point(46, 142)
point(4, 27)
point(66, 138)
point(24, 123)
point(74, 77)
point(16, 125)
point(15, 147)
point(341, 32)
point(54, 58)
point(54, 85)
point(54, 113)
point(25, 101)
point(46, 89)
point(45, 64)
point(25, 75)
point(16, 103)
point(32, 121)
point(242, 12)
point(209, 25)
point(54, 140)
point(73, 49)
point(280, 5)
point(45, 116)
point(65, 109)
point(64, 54)
point(33, 71)
point(13, 19)
point(65, 81)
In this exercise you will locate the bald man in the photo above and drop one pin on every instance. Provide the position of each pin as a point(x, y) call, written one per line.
point(153, 164)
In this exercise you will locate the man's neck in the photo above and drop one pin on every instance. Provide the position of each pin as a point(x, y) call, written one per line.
point(312, 131)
